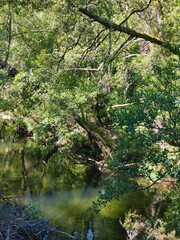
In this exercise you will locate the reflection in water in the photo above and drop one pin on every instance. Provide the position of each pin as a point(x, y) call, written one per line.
point(65, 192)
point(69, 210)
point(90, 232)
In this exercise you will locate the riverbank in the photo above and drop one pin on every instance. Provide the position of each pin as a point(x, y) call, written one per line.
point(19, 221)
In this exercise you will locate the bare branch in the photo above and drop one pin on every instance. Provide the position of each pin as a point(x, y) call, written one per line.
point(127, 104)
point(122, 105)
point(68, 49)
point(135, 11)
point(131, 55)
point(117, 52)
point(97, 41)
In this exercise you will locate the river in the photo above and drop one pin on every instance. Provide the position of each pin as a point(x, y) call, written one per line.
point(65, 192)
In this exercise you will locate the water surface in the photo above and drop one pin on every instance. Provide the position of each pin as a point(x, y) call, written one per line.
point(64, 192)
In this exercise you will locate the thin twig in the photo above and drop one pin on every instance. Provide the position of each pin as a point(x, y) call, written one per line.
point(135, 11)
point(8, 232)
point(58, 231)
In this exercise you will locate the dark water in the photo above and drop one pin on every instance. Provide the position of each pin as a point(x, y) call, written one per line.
point(64, 192)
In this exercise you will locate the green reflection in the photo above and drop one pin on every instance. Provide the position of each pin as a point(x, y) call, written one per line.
point(68, 209)
point(65, 191)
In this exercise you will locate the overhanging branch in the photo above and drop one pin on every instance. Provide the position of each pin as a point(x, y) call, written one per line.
point(129, 31)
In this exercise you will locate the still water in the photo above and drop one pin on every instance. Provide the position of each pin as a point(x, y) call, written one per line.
point(65, 191)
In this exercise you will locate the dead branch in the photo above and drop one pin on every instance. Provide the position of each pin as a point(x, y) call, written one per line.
point(18, 222)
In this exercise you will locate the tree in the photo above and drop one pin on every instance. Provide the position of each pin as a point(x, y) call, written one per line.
point(100, 77)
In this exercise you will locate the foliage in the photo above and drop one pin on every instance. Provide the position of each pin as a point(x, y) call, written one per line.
point(136, 226)
point(99, 81)
point(5, 190)
point(147, 134)
point(172, 216)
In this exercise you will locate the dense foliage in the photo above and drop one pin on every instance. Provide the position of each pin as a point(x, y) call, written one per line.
point(98, 80)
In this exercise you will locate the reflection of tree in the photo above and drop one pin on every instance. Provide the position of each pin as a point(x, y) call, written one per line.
point(88, 230)
point(90, 233)
point(156, 205)
point(27, 172)
point(24, 172)
point(2, 128)
point(92, 176)
point(23, 166)
point(9, 155)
